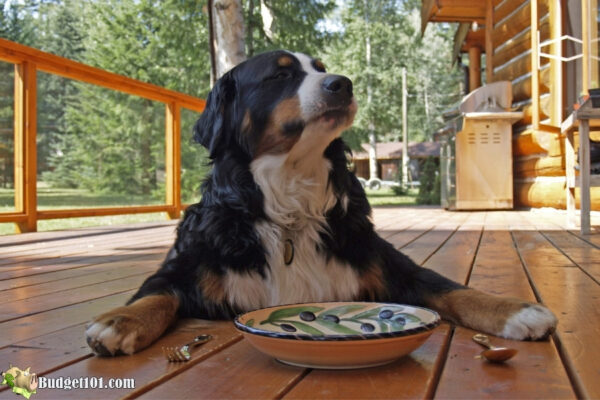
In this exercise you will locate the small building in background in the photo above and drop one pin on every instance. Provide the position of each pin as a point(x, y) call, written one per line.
point(389, 159)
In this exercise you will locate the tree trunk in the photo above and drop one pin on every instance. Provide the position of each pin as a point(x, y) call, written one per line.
point(227, 39)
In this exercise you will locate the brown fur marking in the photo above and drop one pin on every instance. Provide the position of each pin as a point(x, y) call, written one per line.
point(285, 61)
point(371, 284)
point(319, 65)
point(149, 317)
point(212, 287)
point(475, 309)
point(273, 139)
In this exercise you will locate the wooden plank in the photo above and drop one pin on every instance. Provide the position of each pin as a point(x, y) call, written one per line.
point(411, 377)
point(46, 353)
point(74, 245)
point(583, 254)
point(519, 44)
point(455, 258)
point(43, 266)
point(423, 247)
point(149, 367)
point(405, 237)
point(236, 372)
point(51, 321)
point(536, 371)
point(530, 166)
point(40, 280)
point(505, 8)
point(72, 282)
point(29, 238)
point(52, 301)
point(518, 21)
point(31, 265)
point(549, 193)
point(394, 225)
point(74, 70)
point(517, 67)
point(573, 296)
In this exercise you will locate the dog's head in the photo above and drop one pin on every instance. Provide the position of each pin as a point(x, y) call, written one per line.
point(275, 103)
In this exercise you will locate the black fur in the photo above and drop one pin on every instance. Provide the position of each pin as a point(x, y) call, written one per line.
point(219, 233)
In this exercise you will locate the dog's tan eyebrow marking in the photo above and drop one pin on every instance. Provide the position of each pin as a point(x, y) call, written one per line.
point(285, 61)
point(318, 65)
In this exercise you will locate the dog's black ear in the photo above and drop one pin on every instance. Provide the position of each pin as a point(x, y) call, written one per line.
point(215, 128)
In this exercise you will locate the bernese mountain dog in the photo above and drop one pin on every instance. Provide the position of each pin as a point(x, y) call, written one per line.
point(282, 220)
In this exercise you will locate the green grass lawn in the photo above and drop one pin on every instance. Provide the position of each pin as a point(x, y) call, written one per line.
point(49, 198)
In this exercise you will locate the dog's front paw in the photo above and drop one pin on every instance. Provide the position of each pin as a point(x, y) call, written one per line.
point(131, 328)
point(533, 321)
point(114, 333)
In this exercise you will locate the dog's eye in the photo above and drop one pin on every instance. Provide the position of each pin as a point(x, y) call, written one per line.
point(281, 75)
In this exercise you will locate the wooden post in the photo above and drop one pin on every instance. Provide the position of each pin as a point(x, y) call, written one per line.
point(474, 68)
point(173, 158)
point(535, 68)
point(25, 145)
point(489, 45)
point(585, 37)
point(584, 175)
point(556, 65)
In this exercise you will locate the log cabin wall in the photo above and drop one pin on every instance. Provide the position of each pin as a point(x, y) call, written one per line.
point(539, 91)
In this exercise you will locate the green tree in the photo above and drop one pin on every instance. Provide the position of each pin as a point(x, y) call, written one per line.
point(116, 141)
point(296, 25)
point(17, 25)
point(430, 188)
point(393, 27)
point(61, 34)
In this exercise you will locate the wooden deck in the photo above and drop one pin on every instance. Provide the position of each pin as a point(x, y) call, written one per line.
point(52, 283)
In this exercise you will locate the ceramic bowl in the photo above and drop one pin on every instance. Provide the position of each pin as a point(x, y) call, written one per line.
point(338, 335)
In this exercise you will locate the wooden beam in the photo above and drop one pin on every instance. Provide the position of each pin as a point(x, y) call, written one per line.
point(25, 148)
point(12, 217)
point(47, 62)
point(556, 66)
point(426, 11)
point(517, 68)
point(585, 36)
point(505, 8)
point(489, 47)
point(516, 23)
point(459, 37)
point(519, 44)
point(101, 212)
point(173, 159)
point(474, 68)
point(535, 81)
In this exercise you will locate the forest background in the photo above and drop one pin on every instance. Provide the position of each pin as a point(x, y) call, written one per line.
point(112, 144)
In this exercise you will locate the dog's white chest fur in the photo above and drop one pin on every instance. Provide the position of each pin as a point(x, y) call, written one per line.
point(295, 206)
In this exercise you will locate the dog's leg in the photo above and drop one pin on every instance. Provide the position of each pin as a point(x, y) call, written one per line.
point(128, 329)
point(500, 316)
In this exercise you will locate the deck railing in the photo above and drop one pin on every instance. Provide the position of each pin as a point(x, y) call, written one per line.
point(27, 62)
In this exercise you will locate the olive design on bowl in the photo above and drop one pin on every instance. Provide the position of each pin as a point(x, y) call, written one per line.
point(307, 316)
point(367, 327)
point(288, 327)
point(332, 318)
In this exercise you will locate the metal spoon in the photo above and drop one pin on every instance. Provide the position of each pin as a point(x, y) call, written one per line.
point(493, 354)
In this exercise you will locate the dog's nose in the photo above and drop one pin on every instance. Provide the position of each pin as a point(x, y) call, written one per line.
point(337, 84)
